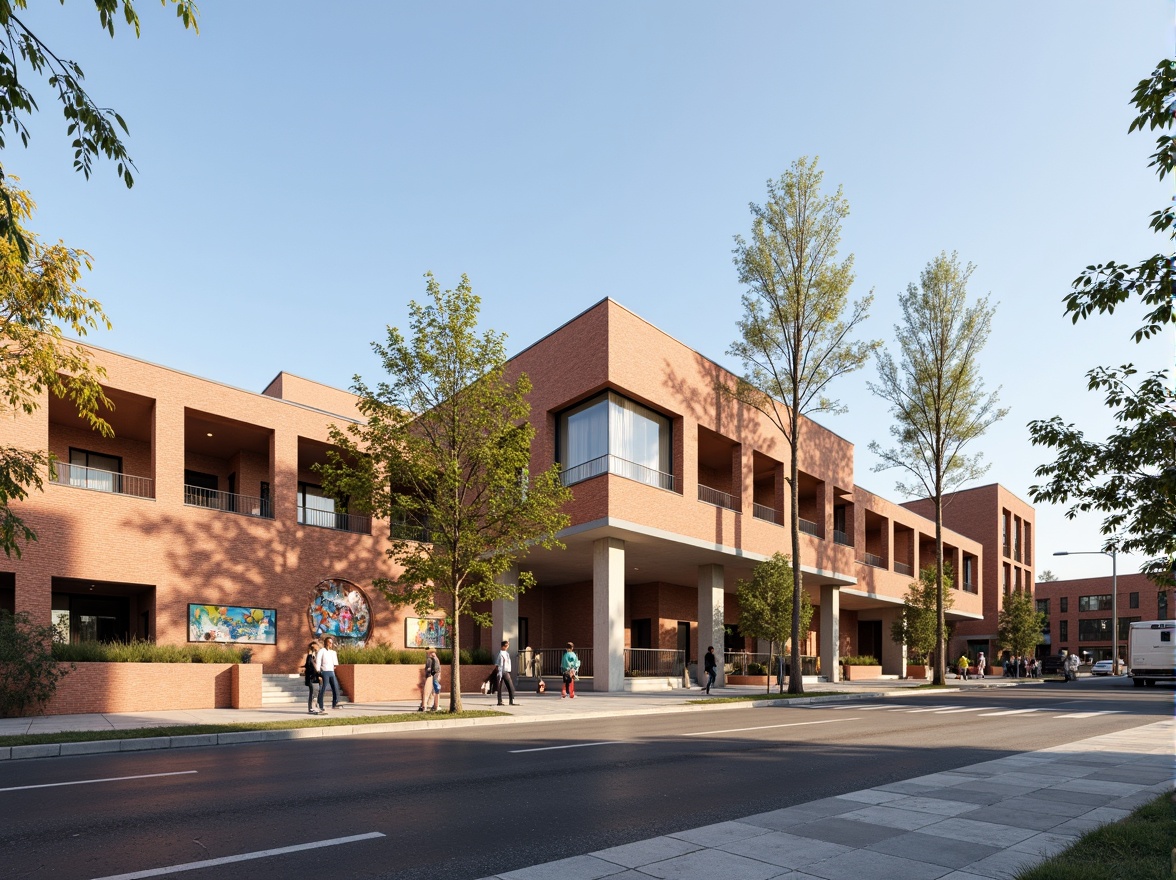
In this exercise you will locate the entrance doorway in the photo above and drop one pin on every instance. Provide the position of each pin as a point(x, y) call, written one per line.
point(870, 638)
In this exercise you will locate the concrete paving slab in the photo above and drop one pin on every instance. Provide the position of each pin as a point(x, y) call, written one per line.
point(893, 817)
point(707, 864)
point(646, 852)
point(1001, 836)
point(575, 868)
point(856, 864)
point(785, 850)
point(720, 833)
point(946, 852)
point(847, 832)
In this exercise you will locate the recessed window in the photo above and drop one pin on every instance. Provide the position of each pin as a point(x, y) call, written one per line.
point(93, 470)
point(1133, 600)
point(612, 434)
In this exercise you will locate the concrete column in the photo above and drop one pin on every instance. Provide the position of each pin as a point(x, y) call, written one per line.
point(830, 631)
point(506, 619)
point(710, 618)
point(608, 615)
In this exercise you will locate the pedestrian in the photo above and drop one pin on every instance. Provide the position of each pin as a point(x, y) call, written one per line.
point(980, 664)
point(326, 659)
point(962, 664)
point(311, 676)
point(1072, 663)
point(431, 687)
point(503, 668)
point(710, 667)
point(570, 667)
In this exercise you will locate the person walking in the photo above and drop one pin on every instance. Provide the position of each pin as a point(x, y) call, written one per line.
point(962, 664)
point(710, 666)
point(569, 665)
point(980, 664)
point(432, 683)
point(311, 676)
point(1072, 663)
point(326, 659)
point(503, 668)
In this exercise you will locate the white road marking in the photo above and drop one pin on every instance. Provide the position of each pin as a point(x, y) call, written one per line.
point(931, 709)
point(1008, 712)
point(1090, 714)
point(768, 727)
point(611, 742)
point(244, 857)
point(92, 781)
point(955, 711)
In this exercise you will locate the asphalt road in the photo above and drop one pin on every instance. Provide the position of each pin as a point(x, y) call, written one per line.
point(475, 801)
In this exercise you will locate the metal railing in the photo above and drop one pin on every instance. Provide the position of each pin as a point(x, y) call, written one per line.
point(873, 559)
point(707, 495)
point(411, 531)
point(230, 502)
point(762, 511)
point(653, 662)
point(749, 663)
point(969, 587)
point(903, 568)
point(840, 537)
point(614, 464)
point(538, 662)
point(810, 528)
point(98, 480)
point(329, 519)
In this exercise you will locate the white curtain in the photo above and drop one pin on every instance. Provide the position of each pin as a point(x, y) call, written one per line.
point(638, 435)
point(585, 435)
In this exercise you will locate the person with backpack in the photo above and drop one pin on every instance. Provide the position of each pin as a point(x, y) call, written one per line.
point(311, 676)
point(432, 683)
point(569, 665)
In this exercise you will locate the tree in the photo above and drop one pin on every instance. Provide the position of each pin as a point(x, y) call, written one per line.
point(1130, 478)
point(38, 297)
point(94, 130)
point(765, 604)
point(31, 673)
point(1019, 624)
point(918, 625)
point(794, 340)
point(936, 397)
point(445, 455)
point(1046, 577)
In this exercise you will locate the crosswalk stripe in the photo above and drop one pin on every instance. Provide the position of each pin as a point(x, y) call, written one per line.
point(1090, 714)
point(931, 709)
point(1008, 712)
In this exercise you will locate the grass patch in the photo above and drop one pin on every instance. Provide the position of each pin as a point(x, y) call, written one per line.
point(72, 736)
point(1140, 847)
point(746, 698)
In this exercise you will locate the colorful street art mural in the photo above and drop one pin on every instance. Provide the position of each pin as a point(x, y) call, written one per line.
point(339, 608)
point(427, 632)
point(232, 623)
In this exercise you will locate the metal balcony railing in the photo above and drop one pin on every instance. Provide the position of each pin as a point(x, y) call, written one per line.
point(840, 537)
point(748, 663)
point(546, 661)
point(101, 481)
point(874, 560)
point(653, 662)
point(229, 502)
point(614, 464)
point(810, 528)
point(329, 519)
point(969, 587)
point(707, 495)
point(762, 511)
point(903, 568)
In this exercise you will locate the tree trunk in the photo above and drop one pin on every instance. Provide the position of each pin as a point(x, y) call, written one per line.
point(795, 679)
point(455, 663)
point(940, 676)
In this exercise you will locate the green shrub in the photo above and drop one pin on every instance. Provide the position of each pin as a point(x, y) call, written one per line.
point(384, 654)
point(29, 672)
point(757, 669)
point(862, 660)
point(143, 651)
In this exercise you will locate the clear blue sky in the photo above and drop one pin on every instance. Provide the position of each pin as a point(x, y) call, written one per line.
point(301, 165)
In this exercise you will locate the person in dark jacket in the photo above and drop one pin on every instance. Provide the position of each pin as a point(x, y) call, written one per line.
point(432, 684)
point(311, 676)
point(710, 666)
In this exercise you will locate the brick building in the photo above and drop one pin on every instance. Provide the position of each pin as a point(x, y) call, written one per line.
point(1078, 612)
point(206, 498)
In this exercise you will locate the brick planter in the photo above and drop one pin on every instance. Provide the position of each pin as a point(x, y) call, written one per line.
point(861, 673)
point(156, 687)
point(381, 683)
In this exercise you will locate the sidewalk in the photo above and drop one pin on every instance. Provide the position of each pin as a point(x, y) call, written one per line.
point(984, 821)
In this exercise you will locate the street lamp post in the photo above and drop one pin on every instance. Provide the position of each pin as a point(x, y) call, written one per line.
point(1114, 598)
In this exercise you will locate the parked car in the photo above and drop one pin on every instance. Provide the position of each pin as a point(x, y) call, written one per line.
point(1105, 667)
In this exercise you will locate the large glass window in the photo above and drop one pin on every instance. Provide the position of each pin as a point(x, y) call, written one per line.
point(314, 508)
point(1095, 603)
point(92, 470)
point(1096, 630)
point(612, 434)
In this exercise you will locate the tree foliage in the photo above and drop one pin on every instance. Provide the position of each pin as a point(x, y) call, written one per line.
point(936, 396)
point(39, 300)
point(94, 131)
point(26, 655)
point(1020, 624)
point(918, 625)
point(795, 333)
point(1130, 478)
point(444, 454)
point(766, 601)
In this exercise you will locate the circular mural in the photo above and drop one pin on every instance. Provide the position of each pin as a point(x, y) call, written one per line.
point(339, 608)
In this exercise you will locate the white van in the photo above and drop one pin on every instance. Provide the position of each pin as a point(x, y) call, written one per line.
point(1151, 651)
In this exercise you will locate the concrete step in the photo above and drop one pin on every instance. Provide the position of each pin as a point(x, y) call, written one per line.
point(287, 690)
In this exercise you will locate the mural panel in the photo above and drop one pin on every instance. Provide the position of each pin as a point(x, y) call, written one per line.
point(427, 632)
point(232, 623)
point(339, 608)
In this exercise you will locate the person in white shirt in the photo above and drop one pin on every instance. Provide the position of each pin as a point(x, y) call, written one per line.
point(327, 660)
point(503, 666)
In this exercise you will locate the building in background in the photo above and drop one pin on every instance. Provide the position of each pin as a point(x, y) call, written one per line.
point(1078, 612)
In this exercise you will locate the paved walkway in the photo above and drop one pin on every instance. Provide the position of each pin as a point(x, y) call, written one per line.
point(979, 822)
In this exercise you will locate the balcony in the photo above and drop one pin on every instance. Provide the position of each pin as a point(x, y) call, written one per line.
point(904, 568)
point(97, 480)
point(843, 538)
point(614, 464)
point(330, 519)
point(762, 511)
point(707, 495)
point(810, 528)
point(873, 560)
point(229, 502)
